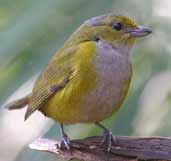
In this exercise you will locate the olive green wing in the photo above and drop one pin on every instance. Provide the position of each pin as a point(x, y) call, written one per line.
point(55, 77)
point(40, 98)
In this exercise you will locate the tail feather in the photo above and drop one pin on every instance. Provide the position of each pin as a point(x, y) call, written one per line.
point(18, 104)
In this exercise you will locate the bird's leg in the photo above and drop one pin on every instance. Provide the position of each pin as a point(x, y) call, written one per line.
point(108, 139)
point(65, 142)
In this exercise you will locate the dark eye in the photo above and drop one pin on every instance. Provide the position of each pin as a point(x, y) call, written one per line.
point(96, 38)
point(117, 26)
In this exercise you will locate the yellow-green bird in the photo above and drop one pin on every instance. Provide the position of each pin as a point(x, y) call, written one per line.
point(88, 78)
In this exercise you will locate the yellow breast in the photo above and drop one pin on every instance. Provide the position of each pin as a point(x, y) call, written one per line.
point(65, 105)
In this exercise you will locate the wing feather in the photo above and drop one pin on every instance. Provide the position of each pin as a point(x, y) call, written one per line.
point(40, 98)
point(52, 79)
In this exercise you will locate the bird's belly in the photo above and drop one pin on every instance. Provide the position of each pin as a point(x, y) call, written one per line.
point(109, 94)
point(72, 105)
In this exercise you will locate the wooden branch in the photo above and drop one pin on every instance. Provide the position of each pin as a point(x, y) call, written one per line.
point(126, 149)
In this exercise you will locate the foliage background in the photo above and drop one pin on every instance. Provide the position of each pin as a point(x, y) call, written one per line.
point(32, 30)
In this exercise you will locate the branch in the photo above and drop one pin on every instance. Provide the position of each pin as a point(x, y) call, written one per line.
point(126, 149)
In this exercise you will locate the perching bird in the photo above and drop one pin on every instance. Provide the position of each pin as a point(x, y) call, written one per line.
point(88, 78)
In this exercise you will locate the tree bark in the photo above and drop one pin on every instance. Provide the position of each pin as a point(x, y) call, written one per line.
point(125, 149)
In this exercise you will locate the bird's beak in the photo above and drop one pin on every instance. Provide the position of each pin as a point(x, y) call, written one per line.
point(140, 31)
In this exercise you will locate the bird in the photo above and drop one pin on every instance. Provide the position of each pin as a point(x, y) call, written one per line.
point(88, 78)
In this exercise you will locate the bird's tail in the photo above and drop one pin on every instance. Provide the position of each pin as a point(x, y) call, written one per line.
point(18, 104)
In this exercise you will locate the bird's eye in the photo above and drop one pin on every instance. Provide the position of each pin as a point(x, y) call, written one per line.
point(96, 38)
point(117, 26)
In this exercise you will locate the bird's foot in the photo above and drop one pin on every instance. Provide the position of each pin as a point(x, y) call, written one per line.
point(65, 143)
point(108, 140)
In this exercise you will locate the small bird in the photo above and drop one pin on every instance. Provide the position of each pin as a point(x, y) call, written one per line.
point(88, 78)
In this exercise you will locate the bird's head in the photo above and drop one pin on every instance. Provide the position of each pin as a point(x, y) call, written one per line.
point(113, 29)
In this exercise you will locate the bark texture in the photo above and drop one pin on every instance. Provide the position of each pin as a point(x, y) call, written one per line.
point(126, 149)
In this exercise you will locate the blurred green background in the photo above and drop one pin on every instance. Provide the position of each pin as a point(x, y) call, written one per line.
point(30, 33)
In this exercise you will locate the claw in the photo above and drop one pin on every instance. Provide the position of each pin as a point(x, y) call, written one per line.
point(108, 140)
point(65, 143)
